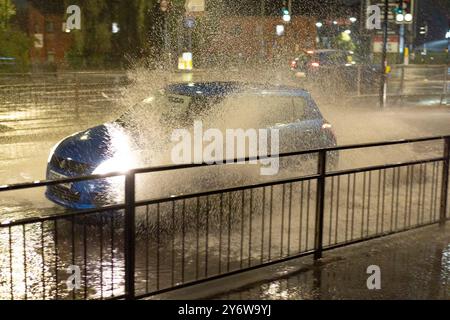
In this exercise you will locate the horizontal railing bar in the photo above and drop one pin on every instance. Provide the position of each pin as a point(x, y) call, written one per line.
point(419, 66)
point(43, 183)
point(291, 154)
point(46, 183)
point(381, 167)
point(385, 143)
point(226, 190)
point(33, 220)
point(120, 297)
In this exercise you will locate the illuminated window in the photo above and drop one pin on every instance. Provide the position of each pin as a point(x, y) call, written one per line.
point(50, 57)
point(49, 27)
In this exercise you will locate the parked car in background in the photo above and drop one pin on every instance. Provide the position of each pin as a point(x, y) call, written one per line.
point(7, 63)
point(338, 69)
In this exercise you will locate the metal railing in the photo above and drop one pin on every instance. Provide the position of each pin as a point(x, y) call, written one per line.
point(42, 99)
point(411, 80)
point(403, 82)
point(142, 248)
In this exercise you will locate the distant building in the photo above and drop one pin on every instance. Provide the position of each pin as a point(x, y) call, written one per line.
point(45, 21)
point(252, 38)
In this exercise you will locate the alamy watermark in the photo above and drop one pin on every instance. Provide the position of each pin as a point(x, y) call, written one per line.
point(374, 280)
point(220, 149)
point(373, 20)
point(74, 280)
point(73, 21)
point(373, 17)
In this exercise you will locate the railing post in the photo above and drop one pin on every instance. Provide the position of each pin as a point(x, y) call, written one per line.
point(444, 188)
point(445, 88)
point(402, 82)
point(77, 96)
point(359, 80)
point(320, 205)
point(130, 235)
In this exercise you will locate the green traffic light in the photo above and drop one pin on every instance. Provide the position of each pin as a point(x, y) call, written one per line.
point(397, 10)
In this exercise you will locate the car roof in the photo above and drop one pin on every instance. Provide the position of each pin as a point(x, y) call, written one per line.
point(223, 88)
point(324, 51)
point(329, 50)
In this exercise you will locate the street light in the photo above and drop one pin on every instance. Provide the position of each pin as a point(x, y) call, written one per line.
point(400, 17)
point(408, 17)
point(423, 30)
point(353, 19)
point(319, 24)
point(287, 18)
point(286, 15)
point(279, 30)
point(115, 27)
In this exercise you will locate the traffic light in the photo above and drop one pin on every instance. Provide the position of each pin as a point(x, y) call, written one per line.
point(423, 30)
point(397, 10)
point(408, 8)
point(286, 14)
point(404, 12)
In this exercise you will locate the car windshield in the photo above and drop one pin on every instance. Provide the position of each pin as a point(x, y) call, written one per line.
point(170, 107)
point(327, 58)
point(239, 110)
point(333, 57)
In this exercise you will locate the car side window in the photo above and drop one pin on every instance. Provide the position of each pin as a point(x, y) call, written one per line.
point(251, 111)
point(299, 108)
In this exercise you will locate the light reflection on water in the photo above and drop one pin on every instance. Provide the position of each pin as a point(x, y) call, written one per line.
point(211, 235)
point(39, 265)
point(169, 251)
point(413, 266)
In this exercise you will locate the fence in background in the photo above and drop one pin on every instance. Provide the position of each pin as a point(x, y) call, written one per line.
point(412, 80)
point(59, 96)
point(142, 248)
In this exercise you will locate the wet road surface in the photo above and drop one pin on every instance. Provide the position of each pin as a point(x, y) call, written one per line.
point(103, 257)
point(415, 265)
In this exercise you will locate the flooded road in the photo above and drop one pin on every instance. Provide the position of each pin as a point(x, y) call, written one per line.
point(179, 241)
point(224, 232)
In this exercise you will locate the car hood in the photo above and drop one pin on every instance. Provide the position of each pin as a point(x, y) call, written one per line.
point(92, 146)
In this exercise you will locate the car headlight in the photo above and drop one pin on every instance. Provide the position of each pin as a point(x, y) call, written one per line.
point(121, 155)
point(113, 165)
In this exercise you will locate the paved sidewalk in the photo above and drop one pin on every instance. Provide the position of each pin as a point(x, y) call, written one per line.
point(413, 266)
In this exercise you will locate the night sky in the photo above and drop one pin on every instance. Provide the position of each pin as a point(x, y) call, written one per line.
point(435, 13)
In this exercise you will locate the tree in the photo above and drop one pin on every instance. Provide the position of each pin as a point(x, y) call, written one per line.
point(92, 44)
point(13, 43)
point(96, 46)
point(344, 42)
point(7, 11)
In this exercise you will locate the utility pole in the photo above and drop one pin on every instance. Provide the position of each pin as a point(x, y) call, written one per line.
point(5, 17)
point(164, 7)
point(401, 33)
point(383, 87)
point(263, 14)
point(362, 17)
